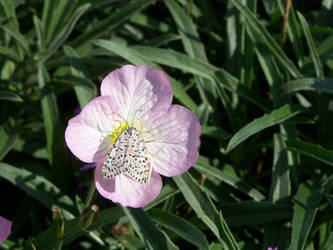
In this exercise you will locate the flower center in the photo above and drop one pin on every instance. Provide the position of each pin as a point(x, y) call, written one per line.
point(116, 132)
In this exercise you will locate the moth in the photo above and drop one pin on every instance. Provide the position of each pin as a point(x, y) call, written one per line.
point(128, 156)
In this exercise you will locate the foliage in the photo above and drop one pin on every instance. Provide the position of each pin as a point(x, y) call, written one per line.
point(264, 174)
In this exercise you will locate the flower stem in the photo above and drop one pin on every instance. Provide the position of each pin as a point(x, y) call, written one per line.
point(90, 195)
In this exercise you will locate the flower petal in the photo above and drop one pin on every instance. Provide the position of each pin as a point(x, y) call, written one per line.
point(126, 191)
point(5, 226)
point(176, 148)
point(135, 91)
point(86, 133)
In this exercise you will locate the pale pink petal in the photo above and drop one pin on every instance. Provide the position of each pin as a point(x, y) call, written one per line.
point(137, 90)
point(126, 191)
point(87, 133)
point(5, 226)
point(175, 148)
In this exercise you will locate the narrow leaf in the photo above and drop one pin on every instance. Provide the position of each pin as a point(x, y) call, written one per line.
point(200, 202)
point(266, 38)
point(312, 47)
point(277, 116)
point(67, 29)
point(201, 68)
point(9, 136)
point(312, 150)
point(84, 95)
point(229, 241)
point(306, 205)
point(38, 188)
point(53, 129)
point(113, 21)
point(324, 85)
point(180, 226)
point(203, 166)
point(147, 231)
point(10, 96)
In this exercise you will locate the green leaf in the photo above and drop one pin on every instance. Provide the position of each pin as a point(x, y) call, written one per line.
point(113, 21)
point(294, 32)
point(215, 132)
point(312, 150)
point(147, 231)
point(10, 96)
point(201, 68)
point(76, 81)
point(203, 166)
point(84, 95)
point(9, 54)
point(53, 129)
point(200, 202)
point(193, 47)
point(312, 47)
point(280, 187)
point(67, 29)
point(18, 37)
point(255, 213)
point(58, 16)
point(180, 226)
point(47, 239)
point(38, 188)
point(308, 84)
point(279, 191)
point(229, 241)
point(277, 116)
point(307, 202)
point(40, 34)
point(266, 38)
point(8, 135)
point(133, 56)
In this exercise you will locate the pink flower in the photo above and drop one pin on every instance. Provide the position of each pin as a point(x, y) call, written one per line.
point(270, 248)
point(5, 226)
point(138, 97)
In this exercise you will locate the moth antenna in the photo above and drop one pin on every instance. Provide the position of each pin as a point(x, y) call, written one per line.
point(120, 117)
point(150, 133)
point(135, 115)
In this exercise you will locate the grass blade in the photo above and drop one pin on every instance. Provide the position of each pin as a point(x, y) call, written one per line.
point(113, 21)
point(312, 150)
point(9, 54)
point(307, 84)
point(180, 226)
point(203, 166)
point(53, 129)
point(229, 241)
point(200, 202)
point(201, 68)
point(280, 188)
point(38, 188)
point(10, 96)
point(314, 53)
point(18, 37)
point(9, 136)
point(40, 34)
point(147, 231)
point(307, 202)
point(83, 95)
point(67, 29)
point(279, 192)
point(267, 39)
point(58, 17)
point(276, 117)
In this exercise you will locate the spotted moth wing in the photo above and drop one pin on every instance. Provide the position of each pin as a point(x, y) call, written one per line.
point(137, 164)
point(113, 163)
